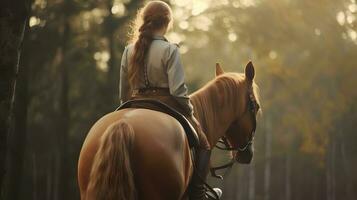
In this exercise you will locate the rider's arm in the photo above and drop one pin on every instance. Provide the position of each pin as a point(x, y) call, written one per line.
point(124, 81)
point(176, 78)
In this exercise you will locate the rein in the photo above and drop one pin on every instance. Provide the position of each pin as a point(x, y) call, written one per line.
point(227, 147)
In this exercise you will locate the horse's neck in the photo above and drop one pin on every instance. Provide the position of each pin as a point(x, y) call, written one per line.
point(214, 119)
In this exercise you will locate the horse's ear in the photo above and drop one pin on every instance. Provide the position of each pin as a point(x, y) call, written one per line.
point(219, 69)
point(249, 71)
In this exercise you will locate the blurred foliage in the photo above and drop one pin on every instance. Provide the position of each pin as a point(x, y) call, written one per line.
point(305, 54)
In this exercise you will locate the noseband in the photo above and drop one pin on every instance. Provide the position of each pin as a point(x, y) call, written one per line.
point(252, 107)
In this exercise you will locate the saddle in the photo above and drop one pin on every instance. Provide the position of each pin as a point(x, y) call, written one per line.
point(156, 105)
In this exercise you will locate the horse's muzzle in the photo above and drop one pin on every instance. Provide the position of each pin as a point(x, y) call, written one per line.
point(245, 156)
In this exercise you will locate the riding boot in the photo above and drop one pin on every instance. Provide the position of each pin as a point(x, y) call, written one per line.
point(197, 190)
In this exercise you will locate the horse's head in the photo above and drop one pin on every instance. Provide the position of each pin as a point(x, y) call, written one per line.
point(240, 133)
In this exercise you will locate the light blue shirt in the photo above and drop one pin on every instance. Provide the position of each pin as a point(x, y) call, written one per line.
point(164, 70)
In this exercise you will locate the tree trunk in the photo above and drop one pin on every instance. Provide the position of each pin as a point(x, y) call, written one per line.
point(111, 24)
point(13, 16)
point(56, 175)
point(330, 169)
point(347, 171)
point(50, 176)
point(328, 177)
point(17, 138)
point(251, 192)
point(239, 186)
point(288, 177)
point(34, 176)
point(112, 74)
point(267, 168)
point(63, 129)
point(333, 169)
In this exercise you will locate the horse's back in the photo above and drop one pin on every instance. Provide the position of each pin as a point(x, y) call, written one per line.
point(160, 158)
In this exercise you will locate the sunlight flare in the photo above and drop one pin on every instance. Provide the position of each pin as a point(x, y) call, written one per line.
point(341, 18)
point(34, 21)
point(232, 37)
point(118, 9)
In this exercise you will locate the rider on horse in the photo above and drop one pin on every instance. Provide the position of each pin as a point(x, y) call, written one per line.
point(151, 68)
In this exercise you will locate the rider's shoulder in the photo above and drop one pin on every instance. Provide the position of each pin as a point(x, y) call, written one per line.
point(172, 49)
point(174, 45)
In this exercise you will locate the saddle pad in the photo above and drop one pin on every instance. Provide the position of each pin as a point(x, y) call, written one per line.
point(156, 105)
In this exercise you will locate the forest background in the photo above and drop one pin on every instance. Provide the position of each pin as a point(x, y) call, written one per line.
point(305, 54)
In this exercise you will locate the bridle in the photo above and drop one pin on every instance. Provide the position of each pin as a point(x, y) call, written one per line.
point(252, 107)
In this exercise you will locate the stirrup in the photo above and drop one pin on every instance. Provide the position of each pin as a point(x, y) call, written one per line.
point(217, 191)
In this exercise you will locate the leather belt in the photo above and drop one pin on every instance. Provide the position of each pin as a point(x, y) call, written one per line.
point(151, 92)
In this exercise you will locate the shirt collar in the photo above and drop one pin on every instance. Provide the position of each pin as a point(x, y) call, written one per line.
point(159, 37)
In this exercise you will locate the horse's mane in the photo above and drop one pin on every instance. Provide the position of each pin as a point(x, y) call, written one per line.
point(225, 85)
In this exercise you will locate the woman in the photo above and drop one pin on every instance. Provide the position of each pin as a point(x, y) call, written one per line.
point(151, 68)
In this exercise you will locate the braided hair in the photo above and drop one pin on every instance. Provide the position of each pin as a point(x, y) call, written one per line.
point(154, 16)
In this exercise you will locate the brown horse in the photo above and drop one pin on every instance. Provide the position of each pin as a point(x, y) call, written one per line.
point(144, 154)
